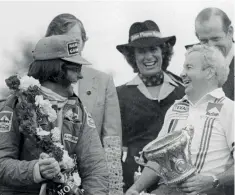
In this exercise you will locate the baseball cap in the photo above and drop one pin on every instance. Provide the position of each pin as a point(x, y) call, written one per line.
point(65, 47)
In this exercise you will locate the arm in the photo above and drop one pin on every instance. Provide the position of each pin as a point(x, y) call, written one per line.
point(147, 178)
point(227, 178)
point(111, 138)
point(112, 118)
point(125, 135)
point(91, 160)
point(13, 172)
point(204, 183)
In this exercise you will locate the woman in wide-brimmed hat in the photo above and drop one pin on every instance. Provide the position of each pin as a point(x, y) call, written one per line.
point(145, 99)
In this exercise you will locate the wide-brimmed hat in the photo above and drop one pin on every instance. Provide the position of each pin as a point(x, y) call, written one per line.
point(145, 34)
point(59, 47)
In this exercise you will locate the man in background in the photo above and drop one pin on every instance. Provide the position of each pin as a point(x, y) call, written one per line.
point(99, 96)
point(213, 27)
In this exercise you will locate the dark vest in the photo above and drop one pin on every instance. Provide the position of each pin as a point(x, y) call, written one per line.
point(142, 118)
point(228, 86)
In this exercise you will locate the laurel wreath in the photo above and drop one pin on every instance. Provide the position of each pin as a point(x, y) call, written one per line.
point(32, 112)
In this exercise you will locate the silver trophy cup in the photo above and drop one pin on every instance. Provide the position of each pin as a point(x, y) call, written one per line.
point(172, 153)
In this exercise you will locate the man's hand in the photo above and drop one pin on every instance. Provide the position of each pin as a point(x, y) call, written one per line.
point(197, 184)
point(48, 166)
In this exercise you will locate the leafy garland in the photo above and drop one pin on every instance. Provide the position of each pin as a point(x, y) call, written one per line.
point(31, 110)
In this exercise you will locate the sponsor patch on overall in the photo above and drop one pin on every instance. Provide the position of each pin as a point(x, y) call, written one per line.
point(70, 138)
point(213, 109)
point(72, 116)
point(89, 120)
point(181, 107)
point(5, 121)
point(73, 48)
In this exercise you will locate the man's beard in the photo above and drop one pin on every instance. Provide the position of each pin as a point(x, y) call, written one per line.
point(66, 84)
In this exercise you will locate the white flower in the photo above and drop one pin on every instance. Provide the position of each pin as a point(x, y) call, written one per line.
point(77, 178)
point(67, 161)
point(55, 134)
point(46, 107)
point(51, 114)
point(42, 132)
point(58, 144)
point(38, 100)
point(26, 82)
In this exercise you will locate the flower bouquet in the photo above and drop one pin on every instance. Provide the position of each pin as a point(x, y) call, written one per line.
point(36, 116)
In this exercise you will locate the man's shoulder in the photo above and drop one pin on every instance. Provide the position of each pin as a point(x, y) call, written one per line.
point(8, 103)
point(2, 103)
point(228, 105)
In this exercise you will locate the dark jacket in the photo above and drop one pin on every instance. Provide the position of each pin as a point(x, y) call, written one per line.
point(18, 154)
point(228, 86)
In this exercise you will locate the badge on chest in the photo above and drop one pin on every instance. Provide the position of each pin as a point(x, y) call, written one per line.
point(213, 109)
point(181, 107)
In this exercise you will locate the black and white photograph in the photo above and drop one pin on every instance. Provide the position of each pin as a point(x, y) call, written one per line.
point(117, 97)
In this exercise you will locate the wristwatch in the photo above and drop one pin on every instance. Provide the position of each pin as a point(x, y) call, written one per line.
point(216, 183)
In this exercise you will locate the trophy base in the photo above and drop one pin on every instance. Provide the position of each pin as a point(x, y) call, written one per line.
point(181, 178)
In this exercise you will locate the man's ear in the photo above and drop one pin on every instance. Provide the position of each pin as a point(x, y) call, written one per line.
point(210, 72)
point(230, 31)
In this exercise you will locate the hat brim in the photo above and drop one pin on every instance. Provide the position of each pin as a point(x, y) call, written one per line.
point(191, 45)
point(77, 59)
point(146, 42)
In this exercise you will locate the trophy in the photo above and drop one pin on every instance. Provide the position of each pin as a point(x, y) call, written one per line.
point(172, 153)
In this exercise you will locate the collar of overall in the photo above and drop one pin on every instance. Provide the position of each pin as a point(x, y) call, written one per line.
point(154, 80)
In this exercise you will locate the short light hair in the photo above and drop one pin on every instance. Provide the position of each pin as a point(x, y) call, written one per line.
point(62, 23)
point(212, 58)
point(207, 13)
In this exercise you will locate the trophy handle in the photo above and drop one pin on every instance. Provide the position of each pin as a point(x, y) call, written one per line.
point(189, 131)
point(141, 161)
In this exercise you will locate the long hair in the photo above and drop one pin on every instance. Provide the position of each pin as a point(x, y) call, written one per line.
point(54, 70)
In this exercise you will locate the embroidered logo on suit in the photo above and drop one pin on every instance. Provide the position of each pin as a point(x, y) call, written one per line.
point(72, 116)
point(70, 138)
point(5, 121)
point(181, 107)
point(213, 109)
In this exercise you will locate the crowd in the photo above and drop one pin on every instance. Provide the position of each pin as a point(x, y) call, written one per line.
point(66, 129)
